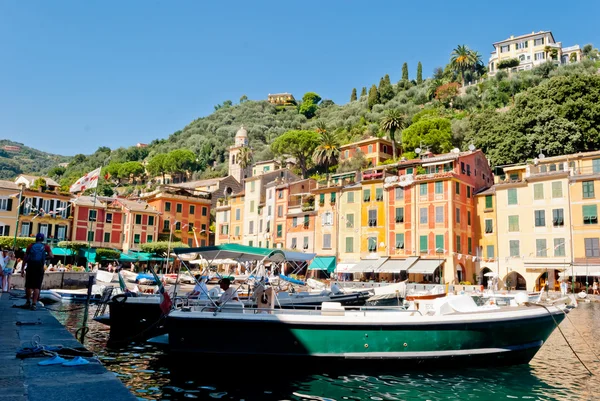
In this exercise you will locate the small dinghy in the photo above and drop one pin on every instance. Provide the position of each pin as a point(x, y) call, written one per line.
point(46, 296)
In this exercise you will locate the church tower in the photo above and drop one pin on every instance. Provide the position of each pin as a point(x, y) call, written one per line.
point(235, 153)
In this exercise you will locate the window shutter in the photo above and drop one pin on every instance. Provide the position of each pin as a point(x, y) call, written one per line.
point(7, 230)
point(9, 205)
point(51, 209)
point(39, 227)
point(49, 230)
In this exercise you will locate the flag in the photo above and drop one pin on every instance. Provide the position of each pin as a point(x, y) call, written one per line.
point(90, 180)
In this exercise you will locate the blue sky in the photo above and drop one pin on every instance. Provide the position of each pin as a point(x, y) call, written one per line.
point(76, 75)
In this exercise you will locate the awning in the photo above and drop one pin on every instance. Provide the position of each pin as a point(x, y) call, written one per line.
point(127, 258)
point(62, 251)
point(439, 163)
point(397, 265)
point(323, 263)
point(89, 254)
point(344, 267)
point(425, 266)
point(239, 253)
point(292, 256)
point(582, 270)
point(368, 265)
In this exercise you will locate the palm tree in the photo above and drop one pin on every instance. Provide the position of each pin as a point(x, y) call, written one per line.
point(328, 151)
point(463, 59)
point(245, 157)
point(391, 122)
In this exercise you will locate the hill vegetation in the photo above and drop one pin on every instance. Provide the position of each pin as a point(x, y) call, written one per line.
point(512, 117)
point(16, 158)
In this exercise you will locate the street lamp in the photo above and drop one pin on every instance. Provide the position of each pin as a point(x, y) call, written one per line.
point(169, 246)
point(18, 215)
point(438, 251)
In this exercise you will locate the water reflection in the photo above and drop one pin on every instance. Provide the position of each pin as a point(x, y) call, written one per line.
point(554, 374)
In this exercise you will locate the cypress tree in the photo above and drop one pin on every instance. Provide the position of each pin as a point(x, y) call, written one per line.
point(419, 73)
point(405, 72)
point(363, 92)
point(353, 95)
point(386, 92)
point(373, 97)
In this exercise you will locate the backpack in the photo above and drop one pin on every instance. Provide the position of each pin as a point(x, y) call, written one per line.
point(37, 253)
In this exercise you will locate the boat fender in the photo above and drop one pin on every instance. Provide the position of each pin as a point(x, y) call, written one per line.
point(264, 298)
point(120, 298)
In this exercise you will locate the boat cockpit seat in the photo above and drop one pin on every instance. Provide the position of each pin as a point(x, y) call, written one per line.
point(332, 309)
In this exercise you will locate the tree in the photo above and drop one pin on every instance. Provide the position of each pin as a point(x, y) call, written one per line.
point(130, 170)
point(363, 91)
point(309, 104)
point(245, 157)
point(391, 122)
point(433, 133)
point(373, 97)
point(463, 59)
point(386, 92)
point(108, 254)
point(356, 163)
point(590, 53)
point(158, 165)
point(353, 95)
point(298, 144)
point(56, 172)
point(180, 161)
point(419, 73)
point(447, 92)
point(243, 99)
point(405, 72)
point(328, 151)
point(508, 63)
point(227, 103)
point(160, 248)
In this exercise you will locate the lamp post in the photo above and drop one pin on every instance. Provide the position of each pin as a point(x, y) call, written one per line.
point(18, 215)
point(438, 251)
point(169, 246)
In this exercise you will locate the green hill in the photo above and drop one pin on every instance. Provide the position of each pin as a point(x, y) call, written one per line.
point(16, 158)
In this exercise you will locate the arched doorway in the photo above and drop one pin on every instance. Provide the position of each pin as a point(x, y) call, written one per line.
point(460, 274)
point(483, 279)
point(515, 281)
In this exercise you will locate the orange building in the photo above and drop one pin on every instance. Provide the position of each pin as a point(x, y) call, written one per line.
point(183, 210)
point(375, 150)
point(230, 219)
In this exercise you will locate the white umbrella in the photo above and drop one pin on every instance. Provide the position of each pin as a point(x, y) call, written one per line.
point(491, 274)
point(594, 274)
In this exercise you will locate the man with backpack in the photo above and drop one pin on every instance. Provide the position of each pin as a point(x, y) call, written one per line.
point(35, 258)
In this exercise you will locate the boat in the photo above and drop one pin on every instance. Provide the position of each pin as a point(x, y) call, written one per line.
point(47, 297)
point(507, 298)
point(455, 330)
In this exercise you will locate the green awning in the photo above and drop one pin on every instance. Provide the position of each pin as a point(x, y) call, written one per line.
point(62, 251)
point(143, 256)
point(323, 263)
point(89, 254)
point(236, 252)
point(125, 257)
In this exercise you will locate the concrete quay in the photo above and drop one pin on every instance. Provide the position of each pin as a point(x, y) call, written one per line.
point(25, 380)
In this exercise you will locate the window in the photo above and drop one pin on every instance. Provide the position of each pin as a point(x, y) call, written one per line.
point(90, 236)
point(423, 215)
point(540, 218)
point(167, 206)
point(399, 240)
point(514, 247)
point(468, 169)
point(457, 215)
point(539, 56)
point(468, 218)
point(251, 227)
point(327, 219)
point(237, 231)
point(522, 45)
point(269, 210)
point(166, 225)
point(489, 202)
point(321, 199)
point(192, 210)
point(399, 193)
point(378, 194)
point(373, 218)
point(238, 212)
point(260, 226)
point(538, 191)
point(559, 247)
point(25, 229)
point(370, 149)
point(326, 241)
point(513, 223)
point(592, 249)
point(399, 215)
point(367, 195)
point(280, 194)
point(178, 208)
point(490, 251)
point(350, 220)
point(177, 226)
point(489, 226)
point(588, 189)
point(439, 243)
point(4, 204)
point(423, 243)
point(423, 189)
point(349, 244)
point(350, 197)
point(512, 196)
point(558, 217)
point(306, 221)
point(252, 206)
point(204, 211)
point(138, 219)
point(252, 186)
point(280, 211)
point(540, 248)
point(596, 166)
point(92, 214)
point(468, 191)
point(332, 198)
point(149, 238)
point(469, 245)
point(294, 221)
point(279, 230)
point(457, 188)
point(504, 49)
point(107, 238)
point(458, 243)
point(305, 246)
point(409, 170)
point(294, 243)
point(439, 214)
point(590, 214)
point(151, 221)
point(439, 187)
point(538, 42)
point(109, 217)
point(557, 189)
point(190, 227)
point(372, 244)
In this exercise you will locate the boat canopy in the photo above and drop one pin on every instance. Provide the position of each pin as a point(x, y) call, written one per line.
point(425, 266)
point(236, 252)
point(292, 256)
point(368, 265)
point(323, 263)
point(397, 265)
point(62, 251)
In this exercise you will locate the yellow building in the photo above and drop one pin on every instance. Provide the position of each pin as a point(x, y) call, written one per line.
point(9, 199)
point(265, 167)
point(230, 220)
point(373, 217)
point(375, 150)
point(281, 98)
point(327, 220)
point(486, 233)
point(350, 203)
point(530, 50)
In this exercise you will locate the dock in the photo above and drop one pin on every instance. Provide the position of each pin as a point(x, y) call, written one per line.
point(25, 380)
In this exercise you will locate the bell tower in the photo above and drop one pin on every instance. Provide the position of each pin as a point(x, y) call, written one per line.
point(235, 151)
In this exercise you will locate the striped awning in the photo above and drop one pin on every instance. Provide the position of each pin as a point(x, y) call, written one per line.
point(425, 266)
point(368, 265)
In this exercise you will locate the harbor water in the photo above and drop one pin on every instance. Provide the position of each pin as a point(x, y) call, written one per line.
point(554, 374)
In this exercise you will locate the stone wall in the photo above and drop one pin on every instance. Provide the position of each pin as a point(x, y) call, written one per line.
point(57, 280)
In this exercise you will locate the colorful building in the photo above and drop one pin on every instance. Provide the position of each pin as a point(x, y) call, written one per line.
point(301, 216)
point(230, 219)
point(9, 199)
point(281, 98)
point(140, 223)
point(98, 222)
point(375, 150)
point(47, 211)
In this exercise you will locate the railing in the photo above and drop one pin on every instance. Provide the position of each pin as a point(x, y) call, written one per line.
point(430, 176)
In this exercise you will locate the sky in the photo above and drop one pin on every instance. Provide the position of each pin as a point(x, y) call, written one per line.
point(77, 75)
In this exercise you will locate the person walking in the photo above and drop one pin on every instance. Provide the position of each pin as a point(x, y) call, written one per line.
point(8, 270)
point(35, 257)
point(595, 288)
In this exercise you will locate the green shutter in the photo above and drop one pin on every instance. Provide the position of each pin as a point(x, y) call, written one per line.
point(439, 187)
point(399, 214)
point(538, 191)
point(350, 220)
point(557, 189)
point(322, 199)
point(458, 243)
point(399, 240)
point(423, 189)
point(596, 165)
point(423, 243)
point(490, 251)
point(349, 244)
point(590, 214)
point(469, 245)
point(489, 202)
point(588, 189)
point(379, 194)
point(512, 196)
point(457, 188)
point(350, 197)
point(367, 195)
point(279, 230)
point(439, 243)
point(513, 223)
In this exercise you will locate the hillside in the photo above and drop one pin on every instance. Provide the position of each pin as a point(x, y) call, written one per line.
point(16, 158)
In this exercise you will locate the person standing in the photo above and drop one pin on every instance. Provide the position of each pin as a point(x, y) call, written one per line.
point(8, 270)
point(35, 257)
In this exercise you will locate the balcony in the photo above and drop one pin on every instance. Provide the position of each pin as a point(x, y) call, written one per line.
point(434, 176)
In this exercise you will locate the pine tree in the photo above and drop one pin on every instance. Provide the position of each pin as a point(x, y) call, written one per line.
point(405, 72)
point(353, 95)
point(419, 73)
point(363, 92)
point(386, 92)
point(373, 97)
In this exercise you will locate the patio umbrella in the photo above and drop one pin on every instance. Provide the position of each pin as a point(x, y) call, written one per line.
point(491, 274)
